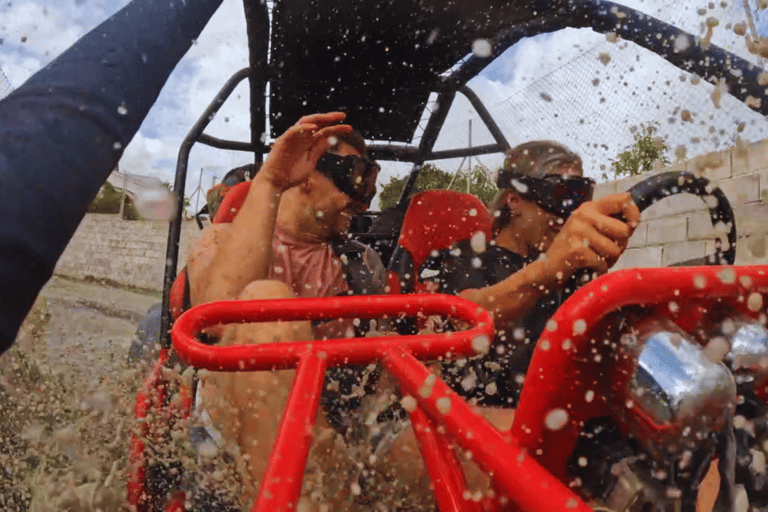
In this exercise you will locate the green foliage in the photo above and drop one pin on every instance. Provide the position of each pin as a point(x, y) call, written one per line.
point(641, 156)
point(430, 177)
point(108, 201)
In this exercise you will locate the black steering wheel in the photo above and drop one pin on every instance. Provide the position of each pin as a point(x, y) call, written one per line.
point(655, 188)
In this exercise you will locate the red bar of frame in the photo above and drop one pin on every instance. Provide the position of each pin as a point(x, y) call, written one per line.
point(271, 356)
point(519, 476)
point(281, 485)
point(441, 465)
point(551, 383)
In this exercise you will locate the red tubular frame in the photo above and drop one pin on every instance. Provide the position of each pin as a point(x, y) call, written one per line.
point(519, 476)
point(563, 369)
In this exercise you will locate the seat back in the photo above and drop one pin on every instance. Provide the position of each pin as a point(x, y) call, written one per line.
point(435, 220)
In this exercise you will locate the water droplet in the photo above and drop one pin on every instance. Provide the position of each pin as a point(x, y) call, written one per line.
point(355, 489)
point(716, 349)
point(482, 48)
point(551, 325)
point(583, 462)
point(122, 110)
point(481, 344)
point(443, 405)
point(579, 326)
point(478, 242)
point(755, 302)
point(117, 146)
point(589, 396)
point(556, 419)
point(333, 141)
point(699, 282)
point(408, 403)
point(727, 276)
point(427, 386)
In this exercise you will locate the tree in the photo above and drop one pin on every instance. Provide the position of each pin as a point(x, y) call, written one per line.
point(476, 182)
point(641, 157)
point(108, 201)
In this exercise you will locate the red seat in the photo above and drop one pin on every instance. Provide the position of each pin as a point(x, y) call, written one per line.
point(435, 220)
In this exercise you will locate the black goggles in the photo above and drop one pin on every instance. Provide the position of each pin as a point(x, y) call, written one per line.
point(555, 193)
point(352, 174)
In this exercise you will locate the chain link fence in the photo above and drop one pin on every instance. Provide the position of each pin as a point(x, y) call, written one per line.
point(593, 101)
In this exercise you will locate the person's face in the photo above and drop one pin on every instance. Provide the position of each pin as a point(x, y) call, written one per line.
point(334, 209)
point(539, 226)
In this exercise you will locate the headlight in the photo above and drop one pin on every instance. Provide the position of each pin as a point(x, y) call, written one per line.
point(670, 395)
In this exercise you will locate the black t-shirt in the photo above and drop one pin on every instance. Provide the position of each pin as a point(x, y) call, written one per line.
point(460, 268)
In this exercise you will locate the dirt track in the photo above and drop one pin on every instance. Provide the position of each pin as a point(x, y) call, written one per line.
point(66, 396)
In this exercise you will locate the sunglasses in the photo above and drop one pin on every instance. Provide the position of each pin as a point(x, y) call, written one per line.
point(555, 193)
point(354, 175)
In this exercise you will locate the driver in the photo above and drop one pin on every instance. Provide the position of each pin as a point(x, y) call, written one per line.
point(547, 232)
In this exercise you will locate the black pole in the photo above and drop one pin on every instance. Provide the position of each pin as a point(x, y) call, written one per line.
point(710, 62)
point(174, 230)
point(257, 28)
point(428, 139)
point(490, 123)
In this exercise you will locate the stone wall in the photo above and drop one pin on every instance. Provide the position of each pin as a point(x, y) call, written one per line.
point(678, 229)
point(130, 253)
point(674, 230)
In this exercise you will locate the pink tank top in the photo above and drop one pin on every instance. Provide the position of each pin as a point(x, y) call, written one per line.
point(310, 269)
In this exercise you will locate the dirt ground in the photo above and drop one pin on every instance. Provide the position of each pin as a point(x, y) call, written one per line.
point(66, 399)
point(67, 396)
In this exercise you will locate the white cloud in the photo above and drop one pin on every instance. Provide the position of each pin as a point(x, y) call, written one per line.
point(578, 113)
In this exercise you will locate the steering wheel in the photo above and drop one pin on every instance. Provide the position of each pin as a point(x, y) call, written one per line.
point(655, 188)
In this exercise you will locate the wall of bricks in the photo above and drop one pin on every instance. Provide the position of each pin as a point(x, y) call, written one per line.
point(674, 230)
point(678, 229)
point(130, 253)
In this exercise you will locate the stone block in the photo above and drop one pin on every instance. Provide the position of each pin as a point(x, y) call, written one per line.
point(752, 250)
point(700, 227)
point(674, 205)
point(682, 251)
point(742, 189)
point(639, 258)
point(715, 165)
point(681, 165)
point(640, 237)
point(667, 230)
point(751, 219)
point(605, 188)
point(755, 158)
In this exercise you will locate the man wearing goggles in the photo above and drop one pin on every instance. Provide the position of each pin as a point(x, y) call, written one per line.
point(282, 243)
point(546, 228)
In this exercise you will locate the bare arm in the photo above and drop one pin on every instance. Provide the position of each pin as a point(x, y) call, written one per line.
point(591, 238)
point(245, 254)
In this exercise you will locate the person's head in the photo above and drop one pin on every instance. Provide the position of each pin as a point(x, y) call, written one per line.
point(342, 185)
point(541, 184)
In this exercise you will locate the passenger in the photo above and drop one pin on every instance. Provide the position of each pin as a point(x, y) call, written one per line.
point(546, 232)
point(280, 245)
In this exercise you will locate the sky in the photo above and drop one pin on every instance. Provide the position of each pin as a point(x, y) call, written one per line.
point(555, 86)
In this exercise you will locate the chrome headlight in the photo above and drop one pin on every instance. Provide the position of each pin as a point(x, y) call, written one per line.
point(748, 356)
point(671, 395)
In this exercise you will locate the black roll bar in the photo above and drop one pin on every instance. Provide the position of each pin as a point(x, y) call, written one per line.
point(710, 62)
point(174, 230)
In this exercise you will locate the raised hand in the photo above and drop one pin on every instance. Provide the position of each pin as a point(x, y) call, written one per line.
point(295, 153)
point(593, 237)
